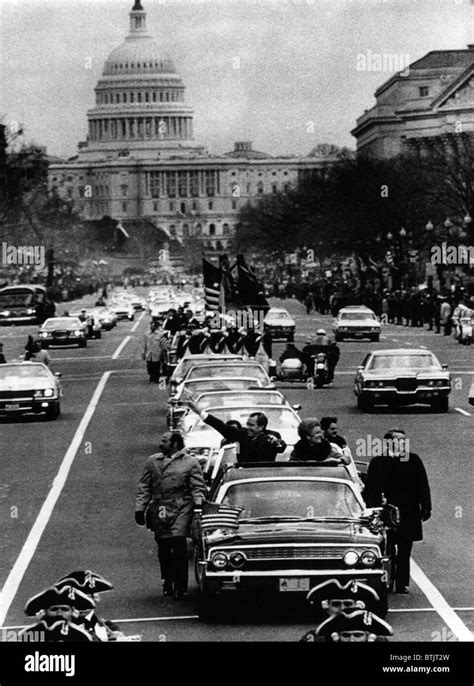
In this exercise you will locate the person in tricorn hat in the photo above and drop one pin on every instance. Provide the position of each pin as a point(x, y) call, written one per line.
point(92, 584)
point(56, 610)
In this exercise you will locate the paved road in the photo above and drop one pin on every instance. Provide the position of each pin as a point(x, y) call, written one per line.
point(67, 490)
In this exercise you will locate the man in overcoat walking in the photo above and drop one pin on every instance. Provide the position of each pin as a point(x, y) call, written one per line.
point(399, 478)
point(170, 492)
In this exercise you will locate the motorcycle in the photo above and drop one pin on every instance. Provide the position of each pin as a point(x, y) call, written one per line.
point(321, 370)
point(295, 370)
point(463, 332)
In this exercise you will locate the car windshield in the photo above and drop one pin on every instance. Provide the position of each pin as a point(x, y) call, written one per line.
point(278, 417)
point(62, 323)
point(305, 499)
point(354, 316)
point(186, 364)
point(213, 371)
point(19, 371)
point(229, 399)
point(202, 385)
point(277, 315)
point(24, 299)
point(412, 361)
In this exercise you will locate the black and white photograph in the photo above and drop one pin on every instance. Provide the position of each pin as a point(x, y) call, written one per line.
point(236, 335)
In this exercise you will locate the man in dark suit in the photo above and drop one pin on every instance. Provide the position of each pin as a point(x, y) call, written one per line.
point(399, 478)
point(257, 443)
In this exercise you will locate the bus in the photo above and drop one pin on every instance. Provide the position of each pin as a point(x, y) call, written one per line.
point(25, 304)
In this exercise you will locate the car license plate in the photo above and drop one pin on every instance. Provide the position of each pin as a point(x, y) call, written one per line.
point(12, 407)
point(292, 584)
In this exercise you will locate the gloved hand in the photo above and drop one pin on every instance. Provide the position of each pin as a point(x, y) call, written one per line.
point(425, 515)
point(140, 518)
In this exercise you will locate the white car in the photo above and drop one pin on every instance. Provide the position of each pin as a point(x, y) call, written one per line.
point(356, 322)
point(29, 388)
point(280, 324)
point(188, 361)
point(123, 309)
point(230, 370)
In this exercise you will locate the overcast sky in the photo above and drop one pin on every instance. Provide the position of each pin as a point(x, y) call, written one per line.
point(297, 62)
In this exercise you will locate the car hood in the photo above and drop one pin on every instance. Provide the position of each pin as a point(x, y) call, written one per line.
point(297, 532)
point(357, 322)
point(279, 322)
point(427, 373)
point(15, 384)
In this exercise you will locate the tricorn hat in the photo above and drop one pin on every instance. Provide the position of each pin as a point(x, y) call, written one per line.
point(67, 595)
point(60, 630)
point(359, 620)
point(332, 589)
point(86, 581)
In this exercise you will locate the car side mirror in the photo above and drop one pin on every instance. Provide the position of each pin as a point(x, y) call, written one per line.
point(360, 368)
point(58, 374)
point(296, 407)
point(444, 366)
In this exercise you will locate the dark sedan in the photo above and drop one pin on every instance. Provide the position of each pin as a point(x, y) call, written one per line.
point(63, 331)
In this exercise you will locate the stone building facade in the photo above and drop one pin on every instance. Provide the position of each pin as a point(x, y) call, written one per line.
point(140, 161)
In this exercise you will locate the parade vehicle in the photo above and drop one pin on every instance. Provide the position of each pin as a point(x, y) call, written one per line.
point(282, 528)
point(63, 331)
point(176, 410)
point(463, 329)
point(356, 322)
point(281, 418)
point(29, 388)
point(233, 398)
point(315, 374)
point(95, 330)
point(106, 318)
point(229, 369)
point(402, 377)
point(25, 304)
point(122, 309)
point(279, 324)
point(137, 302)
point(188, 361)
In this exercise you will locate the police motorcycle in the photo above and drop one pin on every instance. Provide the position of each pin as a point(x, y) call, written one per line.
point(351, 613)
point(310, 368)
point(463, 318)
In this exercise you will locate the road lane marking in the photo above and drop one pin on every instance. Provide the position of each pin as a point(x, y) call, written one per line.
point(133, 620)
point(80, 359)
point(18, 570)
point(447, 614)
point(135, 326)
point(121, 347)
point(459, 409)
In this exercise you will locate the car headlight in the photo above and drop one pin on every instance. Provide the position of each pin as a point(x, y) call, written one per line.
point(219, 560)
point(380, 384)
point(351, 558)
point(43, 334)
point(368, 558)
point(436, 382)
point(44, 393)
point(237, 559)
point(370, 384)
point(6, 313)
point(30, 311)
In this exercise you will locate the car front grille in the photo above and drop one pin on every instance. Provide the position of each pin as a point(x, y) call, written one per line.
point(295, 553)
point(17, 395)
point(406, 384)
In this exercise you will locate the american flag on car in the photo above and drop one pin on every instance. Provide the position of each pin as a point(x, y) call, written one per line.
point(216, 516)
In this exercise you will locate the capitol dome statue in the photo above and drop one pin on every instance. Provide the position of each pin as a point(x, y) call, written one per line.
point(140, 107)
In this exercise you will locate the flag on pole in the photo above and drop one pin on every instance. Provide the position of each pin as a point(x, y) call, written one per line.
point(250, 290)
point(217, 516)
point(212, 277)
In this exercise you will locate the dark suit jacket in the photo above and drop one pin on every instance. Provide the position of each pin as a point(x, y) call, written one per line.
point(258, 449)
point(404, 484)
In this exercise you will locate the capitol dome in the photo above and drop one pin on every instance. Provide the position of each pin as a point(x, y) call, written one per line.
point(139, 99)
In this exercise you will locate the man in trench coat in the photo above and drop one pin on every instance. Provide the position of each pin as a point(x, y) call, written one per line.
point(399, 477)
point(170, 491)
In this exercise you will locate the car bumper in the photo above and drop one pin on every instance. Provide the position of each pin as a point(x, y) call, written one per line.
point(298, 580)
point(392, 396)
point(20, 319)
point(362, 333)
point(62, 341)
point(25, 406)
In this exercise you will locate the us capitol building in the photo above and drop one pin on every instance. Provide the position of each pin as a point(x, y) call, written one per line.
point(140, 163)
